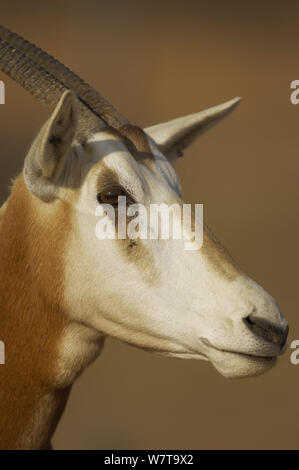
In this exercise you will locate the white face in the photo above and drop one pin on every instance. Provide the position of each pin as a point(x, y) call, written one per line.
point(155, 294)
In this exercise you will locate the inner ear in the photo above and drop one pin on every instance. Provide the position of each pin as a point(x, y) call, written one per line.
point(51, 147)
point(59, 134)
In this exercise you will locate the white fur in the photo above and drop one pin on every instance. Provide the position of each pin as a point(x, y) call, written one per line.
point(175, 303)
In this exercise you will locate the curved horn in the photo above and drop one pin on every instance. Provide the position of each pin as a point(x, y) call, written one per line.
point(46, 79)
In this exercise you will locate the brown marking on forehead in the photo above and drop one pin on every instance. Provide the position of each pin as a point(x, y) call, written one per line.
point(113, 132)
point(139, 145)
point(33, 237)
point(136, 141)
point(138, 137)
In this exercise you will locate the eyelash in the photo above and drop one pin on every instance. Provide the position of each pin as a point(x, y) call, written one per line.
point(111, 196)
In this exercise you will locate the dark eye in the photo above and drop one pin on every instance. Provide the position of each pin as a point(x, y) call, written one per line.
point(110, 197)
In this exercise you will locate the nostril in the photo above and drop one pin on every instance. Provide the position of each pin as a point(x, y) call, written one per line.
point(267, 330)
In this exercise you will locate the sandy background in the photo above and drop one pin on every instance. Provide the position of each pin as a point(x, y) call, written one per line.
point(157, 60)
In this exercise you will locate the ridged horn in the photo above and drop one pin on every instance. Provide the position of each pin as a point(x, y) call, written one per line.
point(46, 79)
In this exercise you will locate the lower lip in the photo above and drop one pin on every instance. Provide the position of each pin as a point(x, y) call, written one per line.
point(249, 356)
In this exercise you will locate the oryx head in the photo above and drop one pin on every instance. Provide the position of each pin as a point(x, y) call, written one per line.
point(150, 293)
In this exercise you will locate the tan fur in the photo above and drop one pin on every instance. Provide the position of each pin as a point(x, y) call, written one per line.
point(32, 322)
point(2, 210)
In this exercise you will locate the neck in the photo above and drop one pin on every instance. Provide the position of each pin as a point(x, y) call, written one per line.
point(33, 385)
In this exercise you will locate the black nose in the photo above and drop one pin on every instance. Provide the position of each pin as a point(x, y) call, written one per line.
point(267, 330)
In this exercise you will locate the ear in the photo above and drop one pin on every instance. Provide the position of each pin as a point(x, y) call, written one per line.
point(49, 151)
point(174, 136)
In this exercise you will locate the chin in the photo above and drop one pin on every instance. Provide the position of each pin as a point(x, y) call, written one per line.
point(235, 366)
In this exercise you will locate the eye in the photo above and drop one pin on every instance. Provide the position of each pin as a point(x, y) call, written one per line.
point(110, 197)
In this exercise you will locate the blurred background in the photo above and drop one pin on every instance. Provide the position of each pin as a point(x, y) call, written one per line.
point(156, 60)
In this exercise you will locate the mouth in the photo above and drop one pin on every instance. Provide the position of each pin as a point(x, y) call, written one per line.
point(230, 364)
point(207, 343)
point(235, 364)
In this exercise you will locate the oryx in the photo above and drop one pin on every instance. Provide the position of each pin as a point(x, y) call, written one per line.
point(62, 290)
